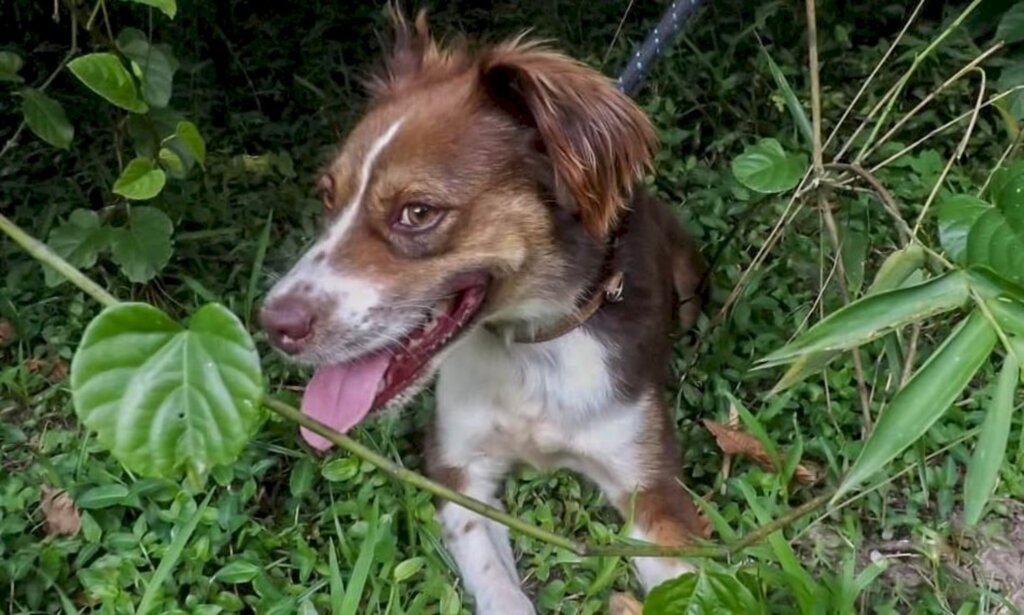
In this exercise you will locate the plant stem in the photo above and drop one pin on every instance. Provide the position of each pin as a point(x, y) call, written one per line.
point(42, 253)
point(812, 60)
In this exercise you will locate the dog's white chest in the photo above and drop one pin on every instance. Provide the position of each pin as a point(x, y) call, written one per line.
point(549, 404)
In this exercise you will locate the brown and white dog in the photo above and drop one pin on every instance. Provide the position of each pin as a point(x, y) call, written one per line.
point(485, 225)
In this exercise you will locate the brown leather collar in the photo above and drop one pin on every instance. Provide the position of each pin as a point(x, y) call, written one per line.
point(609, 290)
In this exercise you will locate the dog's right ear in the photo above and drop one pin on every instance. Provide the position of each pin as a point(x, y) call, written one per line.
point(411, 49)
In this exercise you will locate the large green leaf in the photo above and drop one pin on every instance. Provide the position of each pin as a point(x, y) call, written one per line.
point(1011, 77)
point(154, 65)
point(46, 118)
point(956, 216)
point(996, 238)
point(894, 272)
point(10, 64)
point(767, 168)
point(983, 469)
point(104, 74)
point(140, 180)
point(164, 399)
point(143, 246)
point(167, 7)
point(925, 398)
point(79, 241)
point(1011, 27)
point(702, 592)
point(875, 315)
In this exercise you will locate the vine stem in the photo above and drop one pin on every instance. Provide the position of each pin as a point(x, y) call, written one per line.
point(42, 253)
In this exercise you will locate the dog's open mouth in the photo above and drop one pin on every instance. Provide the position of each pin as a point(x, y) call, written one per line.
point(342, 394)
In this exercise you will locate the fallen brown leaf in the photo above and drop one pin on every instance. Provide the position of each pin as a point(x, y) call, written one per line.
point(736, 442)
point(59, 512)
point(35, 364)
point(624, 604)
point(59, 371)
point(6, 332)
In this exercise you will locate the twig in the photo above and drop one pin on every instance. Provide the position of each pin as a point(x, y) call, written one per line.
point(908, 361)
point(871, 77)
point(952, 159)
point(888, 202)
point(812, 60)
point(44, 255)
point(929, 98)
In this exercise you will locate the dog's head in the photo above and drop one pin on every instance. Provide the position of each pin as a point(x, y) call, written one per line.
point(465, 194)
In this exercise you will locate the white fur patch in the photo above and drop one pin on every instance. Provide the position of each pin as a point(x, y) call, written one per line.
point(353, 296)
point(653, 571)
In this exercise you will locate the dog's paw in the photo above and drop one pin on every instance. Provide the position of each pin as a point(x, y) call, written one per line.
point(506, 601)
point(624, 604)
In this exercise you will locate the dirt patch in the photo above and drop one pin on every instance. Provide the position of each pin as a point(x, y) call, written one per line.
point(1001, 557)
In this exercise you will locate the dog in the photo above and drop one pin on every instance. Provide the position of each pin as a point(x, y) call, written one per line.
point(486, 224)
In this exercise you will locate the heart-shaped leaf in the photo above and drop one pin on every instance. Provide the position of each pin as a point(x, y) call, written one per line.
point(154, 65)
point(10, 64)
point(706, 591)
point(140, 180)
point(167, 7)
point(956, 216)
point(767, 168)
point(104, 74)
point(165, 399)
point(79, 241)
point(190, 138)
point(143, 247)
point(1011, 27)
point(46, 118)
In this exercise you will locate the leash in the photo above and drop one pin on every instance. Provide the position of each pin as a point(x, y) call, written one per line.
point(664, 33)
point(630, 81)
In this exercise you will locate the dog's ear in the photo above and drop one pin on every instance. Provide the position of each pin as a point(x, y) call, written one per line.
point(598, 140)
point(412, 48)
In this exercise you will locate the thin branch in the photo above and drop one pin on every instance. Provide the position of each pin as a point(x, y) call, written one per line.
point(871, 77)
point(44, 255)
point(812, 60)
point(888, 202)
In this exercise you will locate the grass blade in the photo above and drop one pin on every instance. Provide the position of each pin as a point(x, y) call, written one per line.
point(796, 109)
point(361, 571)
point(257, 268)
point(170, 559)
point(337, 585)
point(983, 469)
point(925, 398)
point(875, 315)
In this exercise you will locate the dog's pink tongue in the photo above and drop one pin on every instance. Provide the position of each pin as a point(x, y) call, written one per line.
point(341, 395)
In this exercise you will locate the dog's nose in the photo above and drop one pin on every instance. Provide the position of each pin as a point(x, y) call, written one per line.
point(288, 322)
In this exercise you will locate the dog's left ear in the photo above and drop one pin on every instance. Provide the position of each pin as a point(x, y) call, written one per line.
point(598, 140)
point(413, 47)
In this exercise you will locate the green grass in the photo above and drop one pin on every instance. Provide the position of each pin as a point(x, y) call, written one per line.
point(273, 90)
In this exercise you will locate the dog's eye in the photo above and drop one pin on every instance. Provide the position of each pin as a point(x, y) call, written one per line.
point(419, 216)
point(326, 189)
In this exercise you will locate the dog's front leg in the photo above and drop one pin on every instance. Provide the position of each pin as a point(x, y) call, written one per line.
point(479, 546)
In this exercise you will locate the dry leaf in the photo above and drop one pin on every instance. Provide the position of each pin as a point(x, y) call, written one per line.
point(6, 332)
point(59, 371)
point(35, 365)
point(59, 512)
point(736, 442)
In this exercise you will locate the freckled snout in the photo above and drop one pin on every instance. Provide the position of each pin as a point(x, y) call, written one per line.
point(288, 322)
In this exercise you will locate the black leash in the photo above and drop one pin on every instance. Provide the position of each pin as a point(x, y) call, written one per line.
point(672, 21)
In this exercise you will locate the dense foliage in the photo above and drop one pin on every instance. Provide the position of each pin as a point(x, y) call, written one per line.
point(169, 152)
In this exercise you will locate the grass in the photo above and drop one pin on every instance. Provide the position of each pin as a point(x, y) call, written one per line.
point(273, 89)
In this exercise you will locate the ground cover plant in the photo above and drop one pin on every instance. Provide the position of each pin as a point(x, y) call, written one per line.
point(847, 406)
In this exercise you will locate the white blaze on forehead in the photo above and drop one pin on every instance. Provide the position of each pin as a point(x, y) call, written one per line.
point(348, 216)
point(351, 292)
